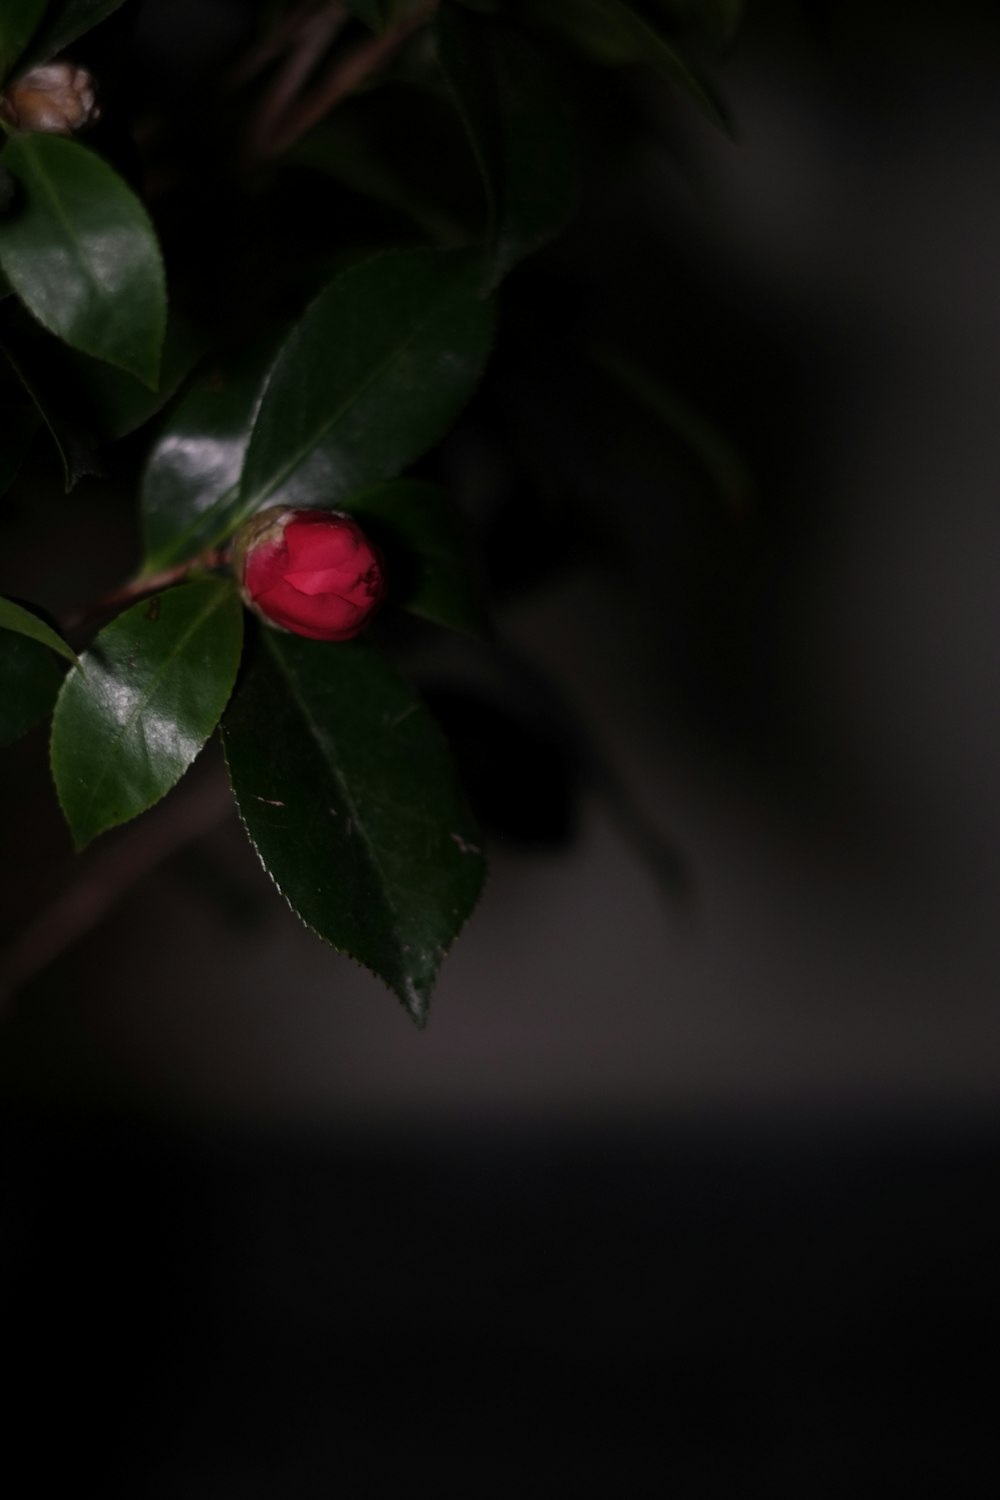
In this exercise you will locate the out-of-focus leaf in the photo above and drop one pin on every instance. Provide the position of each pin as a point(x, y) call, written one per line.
point(153, 685)
point(395, 147)
point(722, 461)
point(654, 48)
point(19, 423)
point(428, 562)
point(727, 16)
point(347, 789)
point(64, 23)
point(19, 20)
point(372, 12)
point(114, 401)
point(193, 471)
point(518, 128)
point(81, 254)
point(22, 622)
point(74, 445)
point(614, 32)
point(376, 371)
point(29, 682)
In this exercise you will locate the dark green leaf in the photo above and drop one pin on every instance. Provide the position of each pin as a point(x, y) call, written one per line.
point(350, 797)
point(194, 469)
point(18, 22)
point(652, 47)
point(727, 16)
point(157, 679)
point(519, 131)
point(29, 682)
point(81, 254)
point(614, 32)
point(395, 147)
point(428, 562)
point(14, 617)
point(724, 464)
point(18, 426)
point(73, 443)
point(372, 12)
point(114, 401)
point(375, 372)
point(66, 22)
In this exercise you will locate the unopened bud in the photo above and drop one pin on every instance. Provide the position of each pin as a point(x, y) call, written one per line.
point(311, 572)
point(58, 99)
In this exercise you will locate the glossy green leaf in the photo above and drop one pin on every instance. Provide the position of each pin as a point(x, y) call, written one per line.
point(65, 22)
point(376, 371)
point(19, 20)
point(347, 789)
point(14, 617)
point(653, 47)
point(82, 256)
point(193, 472)
point(154, 683)
point(519, 131)
point(29, 682)
point(426, 554)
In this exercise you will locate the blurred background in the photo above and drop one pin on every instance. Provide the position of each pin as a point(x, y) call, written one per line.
point(689, 1189)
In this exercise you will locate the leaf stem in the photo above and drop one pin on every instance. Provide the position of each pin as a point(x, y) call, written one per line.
point(148, 583)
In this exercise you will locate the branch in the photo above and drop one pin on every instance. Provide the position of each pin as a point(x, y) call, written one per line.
point(142, 587)
point(113, 874)
point(344, 77)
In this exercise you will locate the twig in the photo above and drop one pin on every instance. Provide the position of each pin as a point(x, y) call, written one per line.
point(344, 76)
point(142, 587)
point(111, 876)
point(314, 38)
point(298, 19)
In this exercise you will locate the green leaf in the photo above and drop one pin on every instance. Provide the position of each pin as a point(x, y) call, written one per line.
point(29, 682)
point(519, 131)
point(23, 622)
point(117, 403)
point(194, 469)
point(73, 444)
point(652, 47)
point(723, 463)
point(348, 792)
point(372, 12)
point(395, 147)
point(157, 679)
point(376, 371)
point(20, 423)
point(428, 562)
point(82, 256)
point(65, 23)
point(18, 22)
point(727, 16)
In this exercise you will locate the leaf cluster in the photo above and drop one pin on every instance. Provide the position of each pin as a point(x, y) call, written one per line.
point(286, 293)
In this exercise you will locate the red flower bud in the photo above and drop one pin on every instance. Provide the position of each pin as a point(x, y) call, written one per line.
point(312, 572)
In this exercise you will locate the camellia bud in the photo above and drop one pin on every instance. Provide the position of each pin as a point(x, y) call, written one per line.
point(312, 572)
point(58, 99)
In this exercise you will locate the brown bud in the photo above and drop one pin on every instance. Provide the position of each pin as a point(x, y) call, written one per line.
point(58, 98)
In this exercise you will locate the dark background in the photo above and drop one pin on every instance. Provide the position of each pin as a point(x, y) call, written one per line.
point(689, 1195)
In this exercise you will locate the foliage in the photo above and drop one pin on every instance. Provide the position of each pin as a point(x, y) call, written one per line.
point(290, 298)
